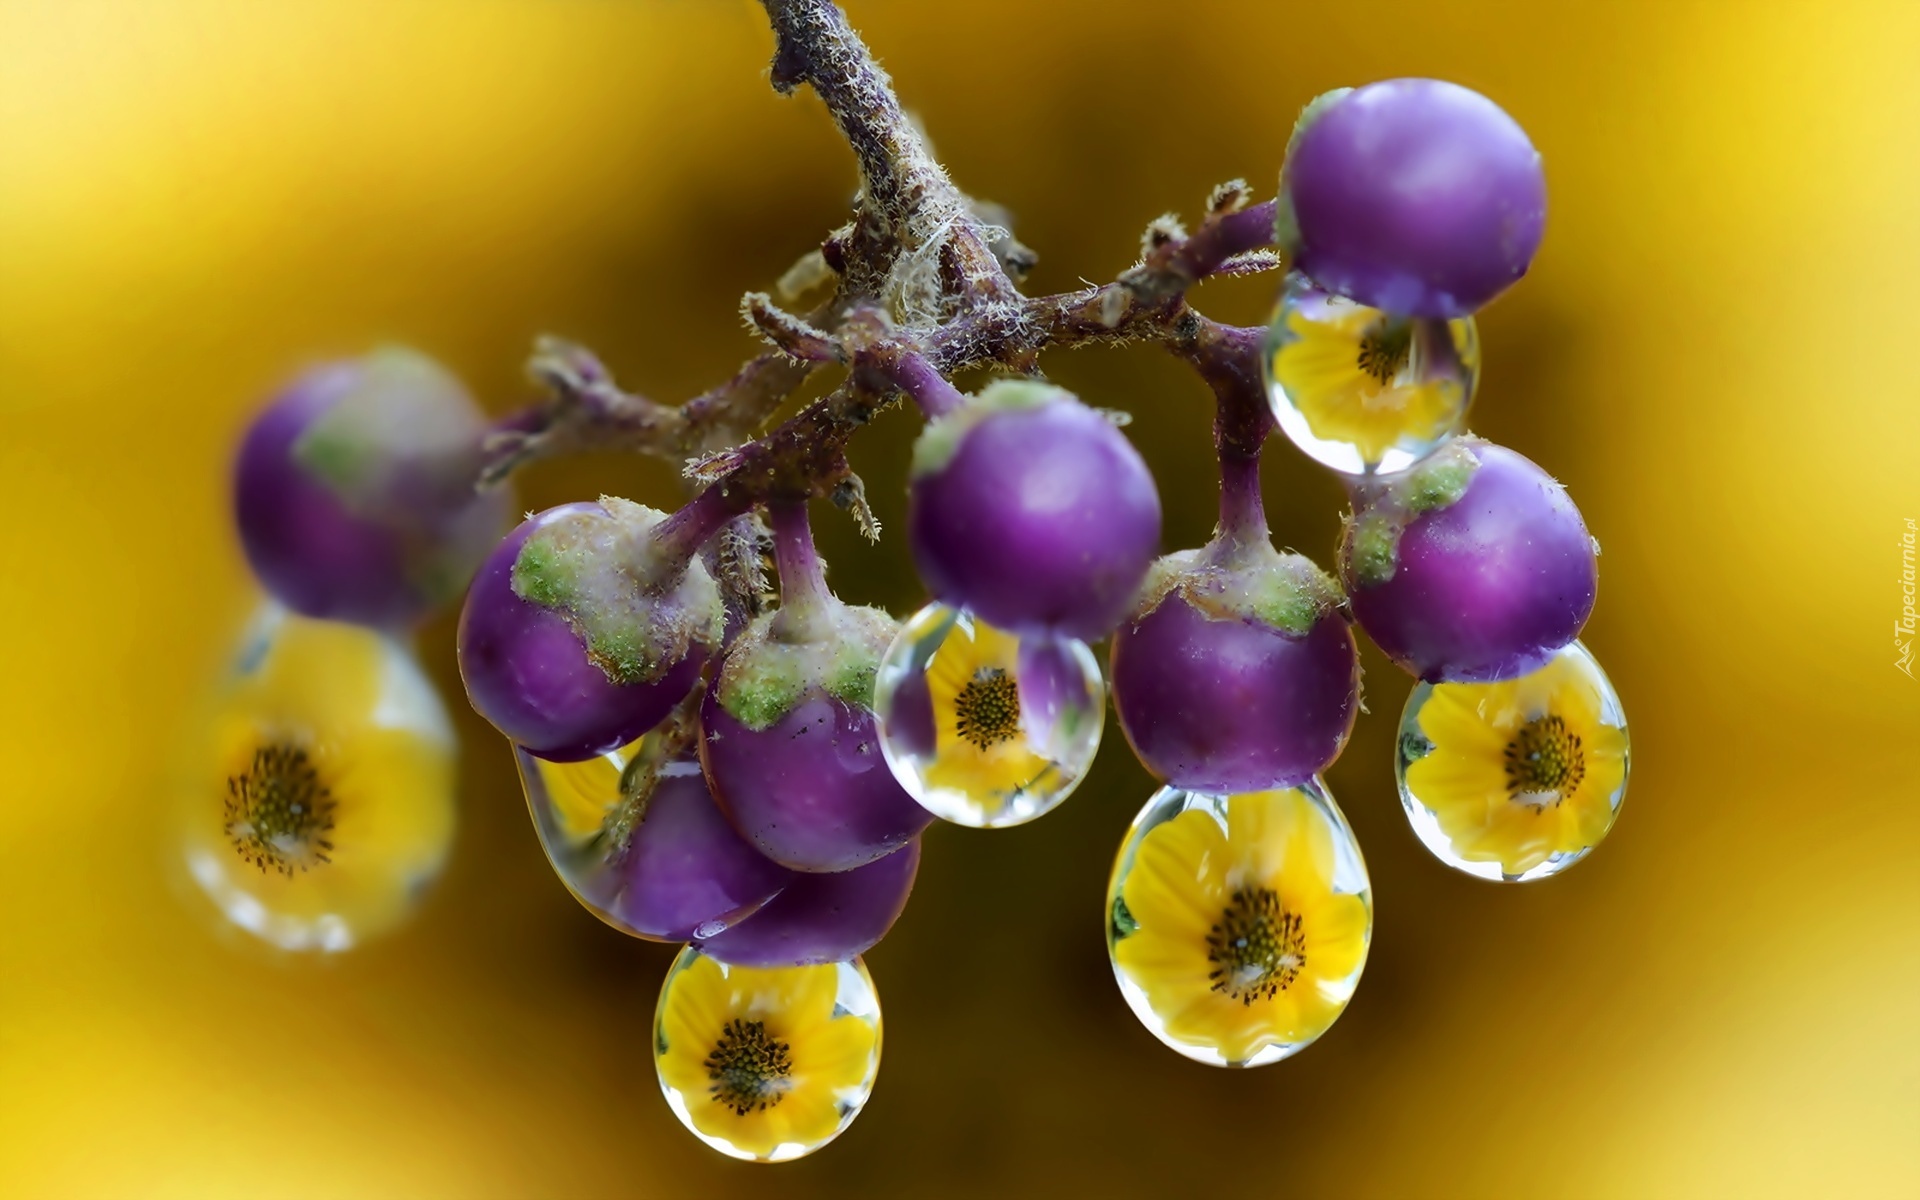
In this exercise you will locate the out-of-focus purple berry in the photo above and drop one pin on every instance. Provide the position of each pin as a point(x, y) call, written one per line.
point(354, 491)
point(1473, 567)
point(1032, 511)
point(1415, 196)
point(563, 651)
point(822, 918)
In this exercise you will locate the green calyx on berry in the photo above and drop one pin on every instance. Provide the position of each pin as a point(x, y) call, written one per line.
point(766, 675)
point(636, 608)
point(1370, 539)
point(941, 439)
point(1252, 581)
point(407, 426)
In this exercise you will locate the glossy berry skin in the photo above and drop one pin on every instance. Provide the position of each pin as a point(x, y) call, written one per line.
point(1044, 519)
point(1229, 703)
point(400, 539)
point(1416, 196)
point(528, 673)
point(1485, 588)
point(822, 918)
point(686, 873)
point(812, 790)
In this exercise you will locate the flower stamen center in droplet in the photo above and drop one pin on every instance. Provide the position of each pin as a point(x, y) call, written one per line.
point(987, 709)
point(279, 814)
point(1385, 348)
point(1545, 762)
point(748, 1068)
point(1257, 949)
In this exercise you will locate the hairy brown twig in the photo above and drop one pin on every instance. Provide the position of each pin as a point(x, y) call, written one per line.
point(920, 272)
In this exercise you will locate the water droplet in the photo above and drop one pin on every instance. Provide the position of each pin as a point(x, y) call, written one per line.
point(1238, 925)
point(982, 727)
point(1363, 391)
point(657, 862)
point(766, 1064)
point(318, 805)
point(1521, 778)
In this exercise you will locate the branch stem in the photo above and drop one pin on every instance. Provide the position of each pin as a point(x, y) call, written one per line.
point(678, 538)
point(803, 578)
point(928, 388)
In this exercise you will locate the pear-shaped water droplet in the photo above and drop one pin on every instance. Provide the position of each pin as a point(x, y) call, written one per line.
point(766, 1064)
point(1238, 925)
point(1515, 780)
point(982, 727)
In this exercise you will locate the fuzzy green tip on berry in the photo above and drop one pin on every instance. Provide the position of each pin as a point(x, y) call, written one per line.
point(1252, 580)
point(765, 678)
point(941, 439)
point(1373, 547)
point(543, 574)
point(1440, 481)
point(583, 568)
point(1294, 598)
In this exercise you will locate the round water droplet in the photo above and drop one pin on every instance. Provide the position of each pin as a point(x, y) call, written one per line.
point(1238, 925)
point(318, 804)
point(640, 842)
point(982, 727)
point(1516, 780)
point(766, 1064)
point(1364, 391)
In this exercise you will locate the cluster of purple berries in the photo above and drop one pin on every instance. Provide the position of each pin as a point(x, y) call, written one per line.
point(771, 829)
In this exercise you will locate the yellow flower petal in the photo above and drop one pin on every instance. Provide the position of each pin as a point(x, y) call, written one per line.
point(1178, 883)
point(581, 794)
point(1278, 833)
point(835, 1055)
point(1462, 787)
point(1336, 930)
point(1470, 717)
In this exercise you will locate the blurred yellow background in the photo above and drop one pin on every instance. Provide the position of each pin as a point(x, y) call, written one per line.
point(198, 196)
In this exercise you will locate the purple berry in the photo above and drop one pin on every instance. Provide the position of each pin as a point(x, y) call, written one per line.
point(822, 918)
point(812, 790)
point(677, 872)
point(1473, 567)
point(354, 491)
point(788, 737)
point(1032, 511)
point(564, 651)
point(1415, 196)
point(1237, 678)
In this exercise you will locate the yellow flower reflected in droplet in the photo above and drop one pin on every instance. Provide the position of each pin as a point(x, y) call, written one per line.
point(981, 748)
point(326, 804)
point(1237, 935)
point(1526, 769)
point(581, 794)
point(1360, 377)
point(763, 1061)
